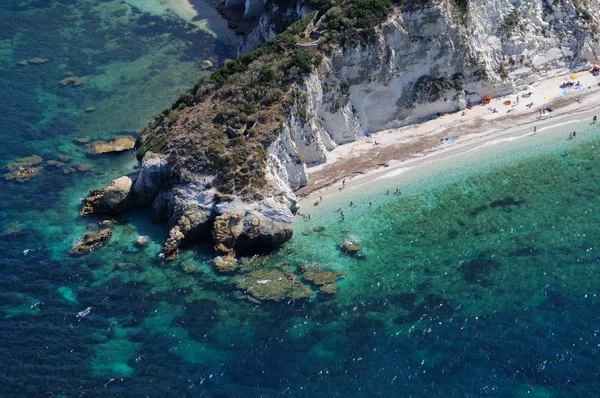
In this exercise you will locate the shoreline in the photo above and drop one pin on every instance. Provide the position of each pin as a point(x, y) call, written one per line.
point(361, 162)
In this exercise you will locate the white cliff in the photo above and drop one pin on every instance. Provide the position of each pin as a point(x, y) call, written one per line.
point(434, 59)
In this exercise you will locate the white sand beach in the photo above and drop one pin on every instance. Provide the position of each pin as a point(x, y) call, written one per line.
point(361, 162)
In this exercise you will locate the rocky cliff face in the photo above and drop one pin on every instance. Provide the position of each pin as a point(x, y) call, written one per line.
point(434, 58)
point(224, 161)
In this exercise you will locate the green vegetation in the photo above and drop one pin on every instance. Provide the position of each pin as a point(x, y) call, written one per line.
point(224, 124)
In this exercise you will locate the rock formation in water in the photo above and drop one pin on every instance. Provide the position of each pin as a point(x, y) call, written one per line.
point(224, 161)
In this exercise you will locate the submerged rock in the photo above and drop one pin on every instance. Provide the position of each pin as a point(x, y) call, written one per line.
point(84, 167)
point(189, 268)
point(89, 109)
point(113, 197)
point(22, 63)
point(70, 81)
point(120, 144)
point(91, 241)
point(55, 163)
point(319, 229)
point(38, 61)
point(274, 284)
point(322, 278)
point(25, 162)
point(81, 140)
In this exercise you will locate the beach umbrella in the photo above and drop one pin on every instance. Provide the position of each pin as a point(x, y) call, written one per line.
point(573, 76)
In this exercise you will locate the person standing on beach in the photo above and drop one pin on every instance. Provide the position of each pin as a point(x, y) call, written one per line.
point(344, 182)
point(534, 129)
point(594, 119)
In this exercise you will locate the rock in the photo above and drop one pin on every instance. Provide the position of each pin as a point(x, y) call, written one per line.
point(65, 158)
point(153, 175)
point(89, 109)
point(38, 61)
point(306, 232)
point(91, 241)
point(126, 266)
point(12, 229)
point(206, 64)
point(70, 81)
point(318, 229)
point(189, 268)
point(328, 289)
point(84, 167)
point(112, 198)
point(22, 63)
point(55, 163)
point(68, 170)
point(349, 247)
point(120, 144)
point(141, 241)
point(274, 284)
point(108, 223)
point(23, 174)
point(322, 278)
point(25, 162)
point(226, 264)
point(266, 223)
point(81, 140)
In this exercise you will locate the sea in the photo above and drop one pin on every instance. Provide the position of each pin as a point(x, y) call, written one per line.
point(477, 280)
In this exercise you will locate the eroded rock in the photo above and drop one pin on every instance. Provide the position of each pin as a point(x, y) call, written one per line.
point(91, 241)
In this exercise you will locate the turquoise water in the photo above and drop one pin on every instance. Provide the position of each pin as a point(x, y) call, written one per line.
point(478, 280)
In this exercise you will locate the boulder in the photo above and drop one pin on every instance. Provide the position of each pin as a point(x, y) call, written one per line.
point(265, 223)
point(275, 284)
point(141, 241)
point(226, 263)
point(112, 198)
point(206, 64)
point(89, 109)
point(91, 241)
point(120, 144)
point(349, 247)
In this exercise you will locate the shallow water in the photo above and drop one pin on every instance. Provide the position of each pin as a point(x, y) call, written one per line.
point(478, 280)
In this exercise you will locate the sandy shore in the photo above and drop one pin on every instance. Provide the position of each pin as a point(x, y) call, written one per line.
point(361, 162)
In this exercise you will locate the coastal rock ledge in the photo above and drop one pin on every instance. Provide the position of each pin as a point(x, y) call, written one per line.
point(194, 210)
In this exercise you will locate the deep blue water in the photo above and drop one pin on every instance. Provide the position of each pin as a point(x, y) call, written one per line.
point(482, 286)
